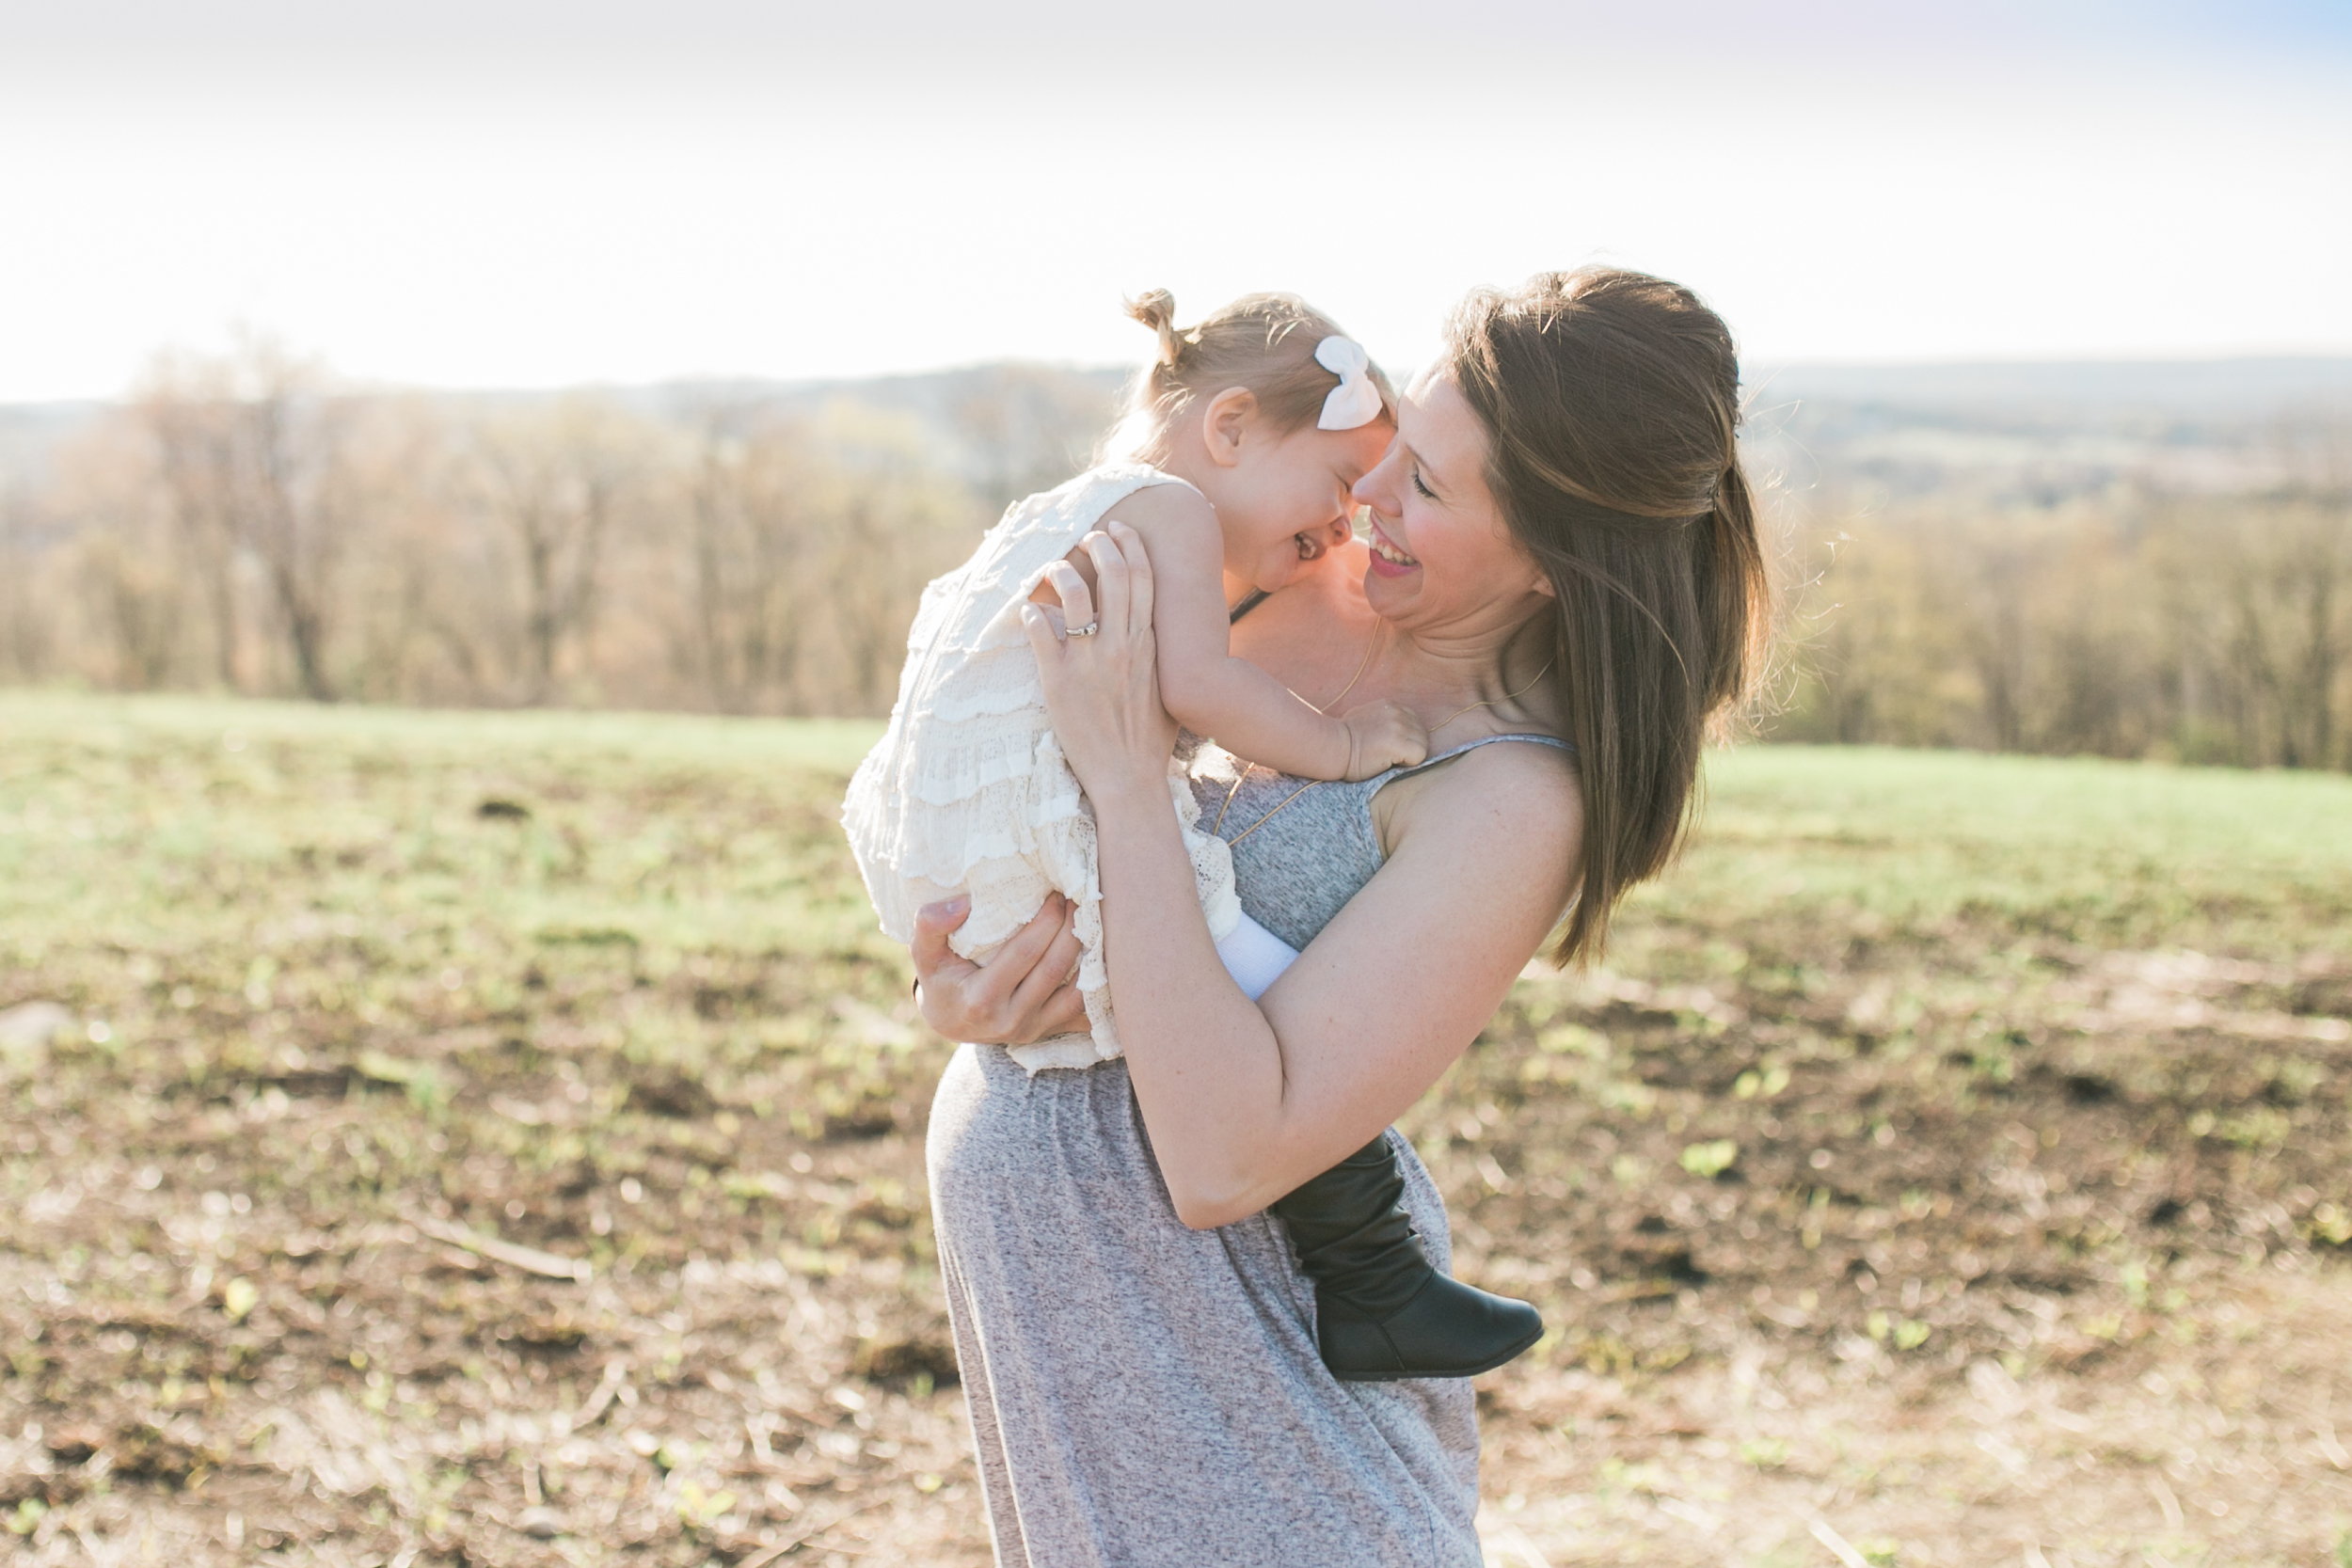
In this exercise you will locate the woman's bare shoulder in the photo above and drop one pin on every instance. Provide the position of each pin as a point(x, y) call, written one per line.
point(1481, 861)
point(1513, 798)
point(1528, 771)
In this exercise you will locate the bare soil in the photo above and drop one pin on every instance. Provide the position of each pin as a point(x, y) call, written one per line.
point(444, 1153)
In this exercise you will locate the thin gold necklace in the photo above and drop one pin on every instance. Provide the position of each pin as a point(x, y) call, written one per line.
point(1506, 697)
point(1363, 664)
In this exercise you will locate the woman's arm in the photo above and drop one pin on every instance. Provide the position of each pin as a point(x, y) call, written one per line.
point(1243, 1104)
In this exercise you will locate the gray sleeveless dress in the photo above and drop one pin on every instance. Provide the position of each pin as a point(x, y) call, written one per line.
point(1143, 1394)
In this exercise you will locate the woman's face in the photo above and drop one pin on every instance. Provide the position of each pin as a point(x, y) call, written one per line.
point(1442, 557)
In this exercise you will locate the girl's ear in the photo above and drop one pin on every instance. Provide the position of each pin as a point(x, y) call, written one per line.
point(1224, 424)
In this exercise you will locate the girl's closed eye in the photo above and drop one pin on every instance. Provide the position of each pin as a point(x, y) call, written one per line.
point(1426, 492)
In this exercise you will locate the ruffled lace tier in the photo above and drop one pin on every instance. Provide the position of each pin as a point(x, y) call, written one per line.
point(968, 790)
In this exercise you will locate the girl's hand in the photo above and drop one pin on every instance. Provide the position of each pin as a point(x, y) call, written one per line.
point(1022, 994)
point(1104, 689)
point(1382, 735)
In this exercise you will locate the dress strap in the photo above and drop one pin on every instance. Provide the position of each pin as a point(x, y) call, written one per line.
point(1451, 752)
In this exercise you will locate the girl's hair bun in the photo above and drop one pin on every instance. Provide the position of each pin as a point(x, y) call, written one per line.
point(1156, 309)
point(1263, 344)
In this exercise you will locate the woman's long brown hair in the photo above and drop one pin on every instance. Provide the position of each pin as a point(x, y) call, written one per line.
point(1612, 405)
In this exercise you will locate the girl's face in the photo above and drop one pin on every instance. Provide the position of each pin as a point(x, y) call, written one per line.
point(1287, 499)
point(1441, 554)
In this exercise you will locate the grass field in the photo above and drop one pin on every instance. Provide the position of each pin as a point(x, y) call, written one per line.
point(472, 1138)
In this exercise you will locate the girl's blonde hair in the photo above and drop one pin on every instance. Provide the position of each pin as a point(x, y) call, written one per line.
point(1264, 344)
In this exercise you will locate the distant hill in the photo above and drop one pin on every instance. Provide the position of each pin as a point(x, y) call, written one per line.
point(2192, 389)
point(997, 425)
point(29, 429)
point(1006, 426)
point(2042, 433)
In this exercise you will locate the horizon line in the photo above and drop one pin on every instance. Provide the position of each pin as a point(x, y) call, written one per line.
point(2314, 357)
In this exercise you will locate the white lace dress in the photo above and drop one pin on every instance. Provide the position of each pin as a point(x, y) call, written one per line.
point(967, 790)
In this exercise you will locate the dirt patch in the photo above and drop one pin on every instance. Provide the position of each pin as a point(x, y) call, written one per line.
point(393, 1181)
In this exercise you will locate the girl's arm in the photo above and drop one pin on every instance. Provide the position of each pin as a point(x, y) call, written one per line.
point(1230, 700)
point(1244, 1102)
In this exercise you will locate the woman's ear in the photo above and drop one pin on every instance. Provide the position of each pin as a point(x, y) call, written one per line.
point(1225, 422)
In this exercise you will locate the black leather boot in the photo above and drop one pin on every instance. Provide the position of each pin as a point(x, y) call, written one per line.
point(1382, 1311)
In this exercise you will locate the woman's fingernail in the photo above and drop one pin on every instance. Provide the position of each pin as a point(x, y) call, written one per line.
point(958, 904)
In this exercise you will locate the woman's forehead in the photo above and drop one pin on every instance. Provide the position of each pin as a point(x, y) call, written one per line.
point(1435, 418)
point(1433, 394)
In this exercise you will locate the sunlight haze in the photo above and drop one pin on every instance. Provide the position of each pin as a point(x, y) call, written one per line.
point(533, 195)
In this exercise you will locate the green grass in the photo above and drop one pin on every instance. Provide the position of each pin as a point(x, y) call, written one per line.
point(140, 825)
point(2103, 852)
point(178, 794)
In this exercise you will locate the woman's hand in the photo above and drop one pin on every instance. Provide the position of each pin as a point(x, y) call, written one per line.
point(1025, 993)
point(1102, 689)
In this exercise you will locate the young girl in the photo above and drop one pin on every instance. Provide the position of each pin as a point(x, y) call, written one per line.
point(1246, 437)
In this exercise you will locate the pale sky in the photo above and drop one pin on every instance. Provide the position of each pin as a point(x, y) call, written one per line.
point(469, 193)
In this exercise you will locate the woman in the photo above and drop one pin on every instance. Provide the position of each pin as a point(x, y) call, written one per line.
point(1564, 582)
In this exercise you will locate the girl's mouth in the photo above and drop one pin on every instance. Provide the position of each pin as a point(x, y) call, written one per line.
point(1387, 559)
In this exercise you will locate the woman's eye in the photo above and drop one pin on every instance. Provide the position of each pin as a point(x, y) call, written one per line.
point(1424, 489)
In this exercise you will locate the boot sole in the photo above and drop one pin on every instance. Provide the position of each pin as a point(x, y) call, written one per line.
point(1486, 1365)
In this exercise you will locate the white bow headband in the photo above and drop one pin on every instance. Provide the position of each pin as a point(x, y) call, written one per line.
point(1356, 401)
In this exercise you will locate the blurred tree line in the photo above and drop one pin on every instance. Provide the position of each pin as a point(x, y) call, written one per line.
point(2186, 595)
point(2002, 581)
point(246, 524)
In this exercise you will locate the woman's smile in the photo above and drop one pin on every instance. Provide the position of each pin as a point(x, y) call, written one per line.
point(1388, 558)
